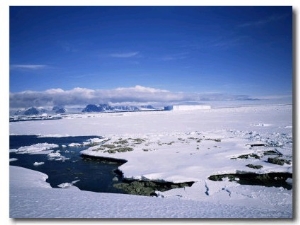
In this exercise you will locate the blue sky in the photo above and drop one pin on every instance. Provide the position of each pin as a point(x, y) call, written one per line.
point(206, 50)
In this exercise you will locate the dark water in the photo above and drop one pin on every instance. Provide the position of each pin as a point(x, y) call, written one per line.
point(93, 175)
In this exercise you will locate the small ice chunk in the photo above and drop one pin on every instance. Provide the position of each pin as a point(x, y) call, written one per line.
point(74, 145)
point(75, 181)
point(38, 163)
point(289, 180)
point(54, 155)
point(40, 147)
point(13, 159)
point(65, 185)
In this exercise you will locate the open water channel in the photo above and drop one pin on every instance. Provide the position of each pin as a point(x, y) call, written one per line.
point(84, 173)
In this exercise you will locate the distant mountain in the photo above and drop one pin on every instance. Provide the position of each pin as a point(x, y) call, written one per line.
point(147, 107)
point(97, 108)
point(18, 112)
point(31, 111)
point(109, 108)
point(59, 109)
point(34, 111)
point(126, 108)
point(39, 111)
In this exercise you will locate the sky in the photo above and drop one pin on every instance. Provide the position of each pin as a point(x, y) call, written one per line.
point(95, 54)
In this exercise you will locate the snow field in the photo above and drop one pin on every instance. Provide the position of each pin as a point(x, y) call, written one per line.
point(32, 197)
point(177, 146)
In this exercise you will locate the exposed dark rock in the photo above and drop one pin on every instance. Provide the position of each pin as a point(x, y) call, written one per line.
point(272, 152)
point(148, 188)
point(214, 139)
point(268, 179)
point(111, 148)
point(138, 187)
point(219, 177)
point(246, 156)
point(257, 145)
point(279, 161)
point(121, 149)
point(106, 159)
point(254, 166)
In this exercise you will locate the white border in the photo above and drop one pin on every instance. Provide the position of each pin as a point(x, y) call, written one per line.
point(4, 97)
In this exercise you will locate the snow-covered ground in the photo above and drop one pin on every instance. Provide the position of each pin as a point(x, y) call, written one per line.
point(172, 146)
point(31, 197)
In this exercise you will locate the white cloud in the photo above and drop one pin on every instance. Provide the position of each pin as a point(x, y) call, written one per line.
point(28, 66)
point(263, 22)
point(276, 97)
point(139, 88)
point(124, 54)
point(54, 91)
point(123, 95)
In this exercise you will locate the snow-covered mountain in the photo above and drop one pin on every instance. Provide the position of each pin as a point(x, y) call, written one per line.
point(119, 108)
point(59, 109)
point(39, 111)
point(31, 111)
point(97, 108)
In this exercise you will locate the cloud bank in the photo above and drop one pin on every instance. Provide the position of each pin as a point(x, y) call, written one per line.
point(27, 66)
point(129, 95)
point(124, 55)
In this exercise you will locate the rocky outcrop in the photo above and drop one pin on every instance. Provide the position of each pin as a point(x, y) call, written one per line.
point(266, 179)
point(148, 188)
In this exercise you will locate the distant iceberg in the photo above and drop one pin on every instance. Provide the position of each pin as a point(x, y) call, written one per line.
point(187, 107)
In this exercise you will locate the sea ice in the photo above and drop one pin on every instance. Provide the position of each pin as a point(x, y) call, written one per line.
point(172, 146)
